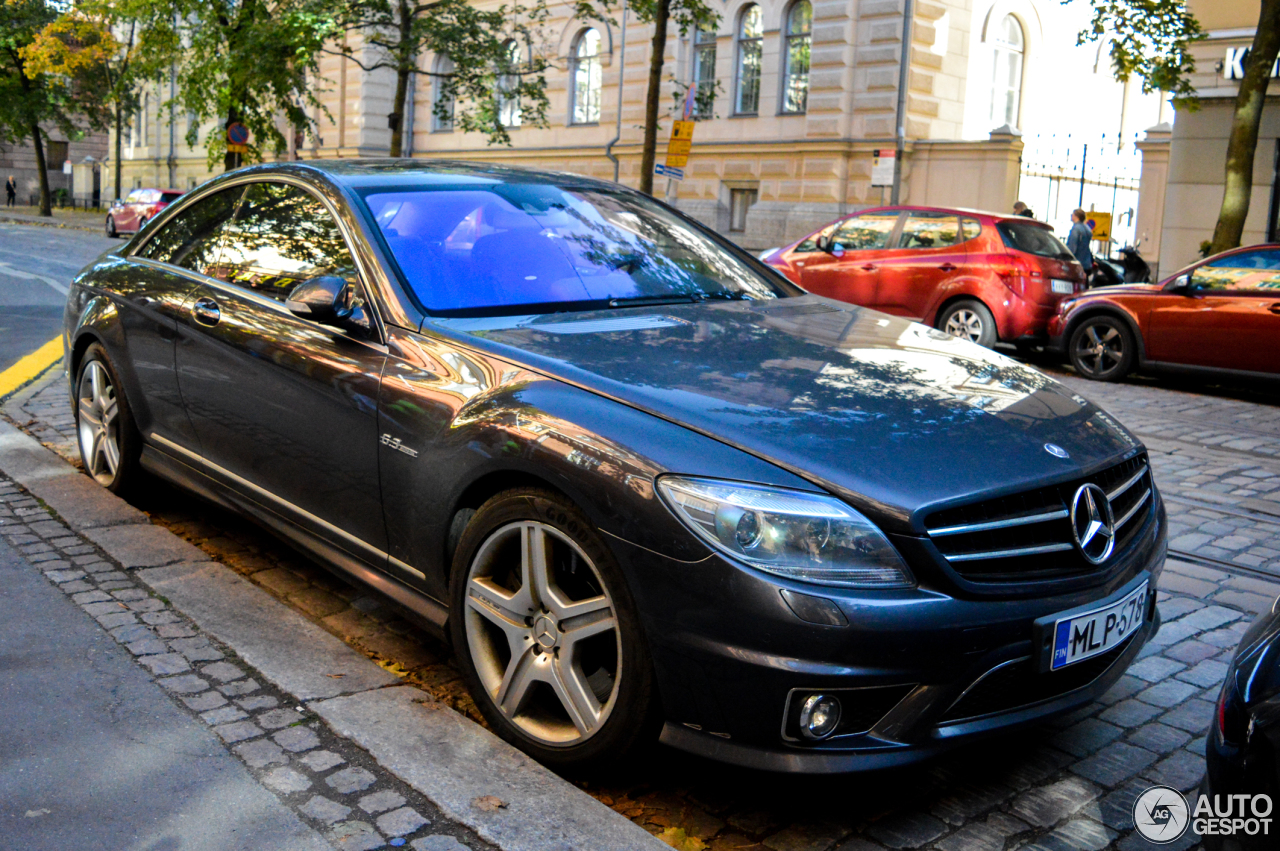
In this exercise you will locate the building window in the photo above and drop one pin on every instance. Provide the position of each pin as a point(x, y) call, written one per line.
point(508, 87)
point(442, 99)
point(740, 200)
point(795, 85)
point(1006, 84)
point(55, 155)
point(587, 80)
point(704, 73)
point(750, 49)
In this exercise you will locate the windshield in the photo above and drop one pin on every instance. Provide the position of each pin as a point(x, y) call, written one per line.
point(1033, 239)
point(543, 248)
point(169, 197)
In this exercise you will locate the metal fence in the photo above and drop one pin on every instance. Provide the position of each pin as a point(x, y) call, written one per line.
point(1062, 172)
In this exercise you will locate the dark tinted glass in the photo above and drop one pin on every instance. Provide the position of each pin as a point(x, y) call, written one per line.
point(281, 236)
point(1033, 239)
point(191, 239)
point(492, 247)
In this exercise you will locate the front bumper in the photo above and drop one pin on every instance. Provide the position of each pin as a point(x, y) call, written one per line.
point(731, 657)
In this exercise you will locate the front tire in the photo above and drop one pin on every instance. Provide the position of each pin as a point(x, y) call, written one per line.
point(110, 444)
point(547, 635)
point(1102, 348)
point(969, 319)
point(111, 231)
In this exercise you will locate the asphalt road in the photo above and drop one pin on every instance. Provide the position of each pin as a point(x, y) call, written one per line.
point(96, 756)
point(36, 265)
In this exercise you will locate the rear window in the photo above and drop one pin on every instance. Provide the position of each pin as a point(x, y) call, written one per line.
point(169, 197)
point(1033, 239)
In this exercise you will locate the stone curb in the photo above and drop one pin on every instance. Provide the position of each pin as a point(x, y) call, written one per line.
point(52, 222)
point(436, 751)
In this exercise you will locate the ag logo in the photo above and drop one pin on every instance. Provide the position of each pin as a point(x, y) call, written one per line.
point(1161, 814)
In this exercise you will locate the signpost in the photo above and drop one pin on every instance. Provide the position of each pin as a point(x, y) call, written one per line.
point(237, 140)
point(882, 160)
point(678, 148)
point(1100, 224)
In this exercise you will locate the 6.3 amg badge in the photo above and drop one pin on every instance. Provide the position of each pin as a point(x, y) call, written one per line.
point(394, 443)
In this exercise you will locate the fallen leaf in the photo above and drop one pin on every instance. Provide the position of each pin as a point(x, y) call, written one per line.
point(489, 803)
point(681, 841)
point(38, 813)
point(336, 676)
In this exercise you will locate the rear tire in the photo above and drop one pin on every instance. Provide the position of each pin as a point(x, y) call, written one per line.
point(547, 635)
point(969, 319)
point(110, 444)
point(111, 228)
point(1102, 348)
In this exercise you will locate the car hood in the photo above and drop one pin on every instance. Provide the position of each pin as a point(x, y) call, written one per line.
point(1122, 289)
point(891, 415)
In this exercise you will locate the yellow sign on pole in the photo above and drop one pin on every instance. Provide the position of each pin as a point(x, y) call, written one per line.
point(681, 143)
point(1100, 224)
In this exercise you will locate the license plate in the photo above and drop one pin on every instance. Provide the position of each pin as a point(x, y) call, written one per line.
point(1063, 287)
point(1083, 636)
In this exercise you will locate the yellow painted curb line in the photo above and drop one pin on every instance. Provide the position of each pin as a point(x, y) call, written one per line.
point(30, 366)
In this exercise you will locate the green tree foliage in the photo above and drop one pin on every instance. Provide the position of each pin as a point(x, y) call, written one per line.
point(493, 64)
point(31, 100)
point(110, 42)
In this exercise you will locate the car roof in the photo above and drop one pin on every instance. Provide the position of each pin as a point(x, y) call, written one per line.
point(374, 172)
point(959, 211)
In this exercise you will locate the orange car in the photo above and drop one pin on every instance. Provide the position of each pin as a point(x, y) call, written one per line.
point(1219, 315)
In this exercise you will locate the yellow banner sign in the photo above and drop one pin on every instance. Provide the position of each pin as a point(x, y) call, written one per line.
point(680, 145)
point(1099, 223)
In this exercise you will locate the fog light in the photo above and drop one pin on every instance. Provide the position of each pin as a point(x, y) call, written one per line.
point(819, 716)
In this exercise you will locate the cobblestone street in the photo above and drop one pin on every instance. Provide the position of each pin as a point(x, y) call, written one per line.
point(1070, 785)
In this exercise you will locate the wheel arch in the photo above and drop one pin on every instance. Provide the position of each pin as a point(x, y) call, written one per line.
point(479, 491)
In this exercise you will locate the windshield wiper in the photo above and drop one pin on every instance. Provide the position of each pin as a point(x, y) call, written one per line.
point(638, 300)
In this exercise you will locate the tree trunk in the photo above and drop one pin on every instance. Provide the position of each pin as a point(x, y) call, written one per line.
point(648, 156)
point(46, 202)
point(1243, 143)
point(118, 166)
point(396, 119)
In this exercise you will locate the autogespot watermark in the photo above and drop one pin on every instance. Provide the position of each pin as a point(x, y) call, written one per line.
point(1161, 815)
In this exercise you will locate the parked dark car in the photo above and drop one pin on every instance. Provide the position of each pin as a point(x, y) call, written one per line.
point(1243, 747)
point(1220, 315)
point(980, 276)
point(646, 486)
point(140, 206)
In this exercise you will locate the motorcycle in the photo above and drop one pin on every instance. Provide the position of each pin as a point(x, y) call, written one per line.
point(1129, 268)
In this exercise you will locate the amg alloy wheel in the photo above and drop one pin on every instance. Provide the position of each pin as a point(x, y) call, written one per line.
point(109, 442)
point(1102, 348)
point(545, 634)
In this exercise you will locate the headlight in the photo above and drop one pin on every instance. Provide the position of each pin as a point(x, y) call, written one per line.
point(803, 536)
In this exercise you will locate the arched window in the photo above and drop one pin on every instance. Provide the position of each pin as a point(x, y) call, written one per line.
point(587, 80)
point(704, 72)
point(508, 87)
point(750, 49)
point(442, 98)
point(1006, 85)
point(795, 81)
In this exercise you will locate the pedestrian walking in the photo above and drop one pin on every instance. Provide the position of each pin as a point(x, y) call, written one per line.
point(1021, 209)
point(10, 192)
point(1078, 240)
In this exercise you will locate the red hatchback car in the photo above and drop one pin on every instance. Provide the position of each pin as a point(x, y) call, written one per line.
point(981, 276)
point(1221, 314)
point(132, 214)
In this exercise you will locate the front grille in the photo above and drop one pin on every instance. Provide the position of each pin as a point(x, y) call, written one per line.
point(1028, 536)
point(1022, 683)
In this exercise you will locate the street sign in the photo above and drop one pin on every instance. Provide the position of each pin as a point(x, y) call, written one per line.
point(237, 149)
point(1099, 223)
point(237, 133)
point(882, 166)
point(680, 145)
point(667, 171)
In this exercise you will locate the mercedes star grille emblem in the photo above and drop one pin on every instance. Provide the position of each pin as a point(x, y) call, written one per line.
point(1092, 523)
point(1056, 451)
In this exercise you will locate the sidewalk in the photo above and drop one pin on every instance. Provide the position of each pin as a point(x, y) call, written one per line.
point(96, 754)
point(62, 218)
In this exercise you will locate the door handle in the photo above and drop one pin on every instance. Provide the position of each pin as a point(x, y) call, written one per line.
point(870, 267)
point(948, 267)
point(1275, 308)
point(206, 311)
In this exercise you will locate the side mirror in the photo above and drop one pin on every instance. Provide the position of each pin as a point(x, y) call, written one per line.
point(323, 299)
point(1180, 284)
point(824, 242)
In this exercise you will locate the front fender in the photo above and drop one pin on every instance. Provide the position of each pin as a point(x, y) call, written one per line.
point(1073, 322)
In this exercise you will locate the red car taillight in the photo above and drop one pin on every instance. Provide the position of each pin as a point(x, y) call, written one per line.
point(1014, 270)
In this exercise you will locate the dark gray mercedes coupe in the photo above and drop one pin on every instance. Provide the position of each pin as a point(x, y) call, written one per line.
point(646, 487)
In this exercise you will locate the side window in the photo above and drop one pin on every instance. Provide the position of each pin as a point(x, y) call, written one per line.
point(134, 196)
point(929, 230)
point(811, 243)
point(191, 239)
point(865, 232)
point(972, 228)
point(1246, 273)
point(281, 236)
